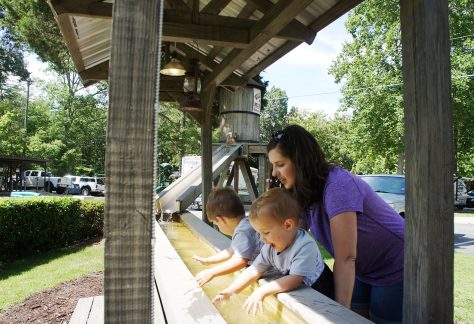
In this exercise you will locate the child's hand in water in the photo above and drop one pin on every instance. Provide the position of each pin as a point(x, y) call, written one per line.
point(201, 260)
point(204, 277)
point(254, 303)
point(222, 296)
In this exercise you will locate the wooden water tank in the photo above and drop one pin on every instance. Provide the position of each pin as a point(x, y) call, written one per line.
point(239, 117)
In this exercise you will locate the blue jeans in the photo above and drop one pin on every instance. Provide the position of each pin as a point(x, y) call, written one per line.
point(385, 304)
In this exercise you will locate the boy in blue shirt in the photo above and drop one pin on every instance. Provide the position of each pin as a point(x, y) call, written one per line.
point(288, 248)
point(225, 210)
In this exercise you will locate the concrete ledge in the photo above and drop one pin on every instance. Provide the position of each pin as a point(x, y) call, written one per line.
point(305, 302)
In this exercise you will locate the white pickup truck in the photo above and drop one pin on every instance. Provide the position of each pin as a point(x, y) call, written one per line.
point(41, 179)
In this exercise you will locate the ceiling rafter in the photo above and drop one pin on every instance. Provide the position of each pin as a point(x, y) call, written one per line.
point(306, 33)
point(265, 29)
point(212, 35)
point(209, 63)
point(215, 6)
point(177, 4)
point(88, 8)
point(294, 32)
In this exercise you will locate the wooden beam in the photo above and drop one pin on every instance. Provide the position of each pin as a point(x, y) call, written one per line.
point(294, 26)
point(429, 221)
point(293, 31)
point(248, 179)
point(131, 148)
point(215, 6)
point(219, 36)
point(87, 8)
point(207, 99)
point(318, 24)
point(177, 4)
point(272, 58)
point(95, 73)
point(232, 80)
point(264, 30)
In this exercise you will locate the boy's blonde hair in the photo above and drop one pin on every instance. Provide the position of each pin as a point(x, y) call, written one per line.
point(277, 203)
point(224, 202)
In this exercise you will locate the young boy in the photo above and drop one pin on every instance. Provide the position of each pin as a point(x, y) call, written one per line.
point(288, 248)
point(226, 211)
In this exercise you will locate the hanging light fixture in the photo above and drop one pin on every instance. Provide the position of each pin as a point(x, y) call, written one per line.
point(173, 67)
point(192, 88)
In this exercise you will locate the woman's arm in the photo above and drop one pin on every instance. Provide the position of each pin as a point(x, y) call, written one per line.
point(344, 241)
point(216, 258)
point(229, 266)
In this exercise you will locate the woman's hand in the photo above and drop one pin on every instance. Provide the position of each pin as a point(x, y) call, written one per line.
point(201, 260)
point(254, 303)
point(204, 277)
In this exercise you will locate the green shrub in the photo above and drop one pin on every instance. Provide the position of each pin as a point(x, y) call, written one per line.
point(92, 218)
point(29, 225)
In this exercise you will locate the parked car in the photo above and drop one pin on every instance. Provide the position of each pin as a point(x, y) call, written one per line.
point(470, 199)
point(41, 179)
point(84, 185)
point(390, 188)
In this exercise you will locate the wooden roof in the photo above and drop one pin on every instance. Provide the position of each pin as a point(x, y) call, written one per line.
point(233, 39)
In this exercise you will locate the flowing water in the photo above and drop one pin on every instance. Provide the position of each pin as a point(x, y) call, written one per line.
point(187, 244)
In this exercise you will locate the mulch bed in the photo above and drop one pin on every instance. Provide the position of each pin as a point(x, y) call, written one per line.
point(56, 304)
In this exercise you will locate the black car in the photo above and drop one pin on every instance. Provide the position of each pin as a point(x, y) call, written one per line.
point(470, 199)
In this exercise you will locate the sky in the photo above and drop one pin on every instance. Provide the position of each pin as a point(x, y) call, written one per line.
point(303, 73)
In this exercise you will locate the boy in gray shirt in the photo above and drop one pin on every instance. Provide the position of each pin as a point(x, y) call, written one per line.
point(226, 211)
point(288, 248)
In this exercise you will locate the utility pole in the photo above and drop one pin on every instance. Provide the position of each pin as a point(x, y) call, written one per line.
point(28, 83)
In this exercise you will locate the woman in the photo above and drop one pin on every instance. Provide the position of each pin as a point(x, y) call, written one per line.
point(362, 232)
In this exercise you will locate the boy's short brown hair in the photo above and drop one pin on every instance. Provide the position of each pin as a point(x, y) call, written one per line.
point(277, 203)
point(224, 202)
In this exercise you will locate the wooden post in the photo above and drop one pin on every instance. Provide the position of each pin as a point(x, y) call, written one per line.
point(207, 99)
point(428, 283)
point(262, 173)
point(129, 212)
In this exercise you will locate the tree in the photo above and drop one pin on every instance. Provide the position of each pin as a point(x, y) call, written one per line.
point(274, 115)
point(371, 67)
point(11, 58)
point(31, 23)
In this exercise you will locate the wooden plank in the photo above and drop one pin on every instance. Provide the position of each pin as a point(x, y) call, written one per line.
point(96, 315)
point(92, 8)
point(130, 166)
point(428, 283)
point(82, 310)
point(183, 300)
point(264, 30)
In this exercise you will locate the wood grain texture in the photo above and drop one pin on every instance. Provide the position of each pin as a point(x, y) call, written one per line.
point(130, 165)
point(428, 284)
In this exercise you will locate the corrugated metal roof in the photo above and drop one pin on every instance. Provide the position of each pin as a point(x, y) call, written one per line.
point(89, 38)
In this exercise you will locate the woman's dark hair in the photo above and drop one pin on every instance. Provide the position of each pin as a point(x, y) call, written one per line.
point(297, 144)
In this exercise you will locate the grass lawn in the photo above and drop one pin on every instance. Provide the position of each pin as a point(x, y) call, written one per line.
point(463, 288)
point(22, 278)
